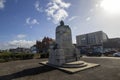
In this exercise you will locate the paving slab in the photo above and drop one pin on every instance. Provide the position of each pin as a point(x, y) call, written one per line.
point(72, 70)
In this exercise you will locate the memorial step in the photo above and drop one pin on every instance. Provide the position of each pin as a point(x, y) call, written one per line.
point(77, 64)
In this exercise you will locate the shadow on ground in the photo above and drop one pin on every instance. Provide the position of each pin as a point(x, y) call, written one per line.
point(27, 72)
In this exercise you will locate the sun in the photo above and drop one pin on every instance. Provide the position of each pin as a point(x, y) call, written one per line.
point(111, 6)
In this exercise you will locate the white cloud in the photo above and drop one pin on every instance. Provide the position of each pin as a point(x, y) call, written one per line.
point(17, 43)
point(21, 43)
point(62, 4)
point(20, 36)
point(97, 5)
point(60, 15)
point(30, 21)
point(38, 7)
point(91, 10)
point(56, 10)
point(72, 18)
point(2, 4)
point(88, 18)
point(34, 21)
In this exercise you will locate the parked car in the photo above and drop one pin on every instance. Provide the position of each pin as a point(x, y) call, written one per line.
point(117, 54)
point(109, 53)
point(94, 54)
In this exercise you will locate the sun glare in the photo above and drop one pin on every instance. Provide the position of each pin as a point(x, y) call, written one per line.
point(111, 6)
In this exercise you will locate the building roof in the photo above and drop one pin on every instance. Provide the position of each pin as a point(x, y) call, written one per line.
point(91, 33)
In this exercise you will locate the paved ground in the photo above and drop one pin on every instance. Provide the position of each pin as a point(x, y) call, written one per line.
point(32, 70)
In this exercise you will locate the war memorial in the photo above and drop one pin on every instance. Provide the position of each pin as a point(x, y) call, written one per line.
point(63, 55)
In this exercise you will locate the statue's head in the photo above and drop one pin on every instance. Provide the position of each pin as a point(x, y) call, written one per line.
point(61, 23)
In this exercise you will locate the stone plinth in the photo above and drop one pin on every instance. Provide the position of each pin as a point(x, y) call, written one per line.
point(73, 67)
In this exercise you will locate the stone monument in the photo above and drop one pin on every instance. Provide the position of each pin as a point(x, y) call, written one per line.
point(63, 50)
point(63, 55)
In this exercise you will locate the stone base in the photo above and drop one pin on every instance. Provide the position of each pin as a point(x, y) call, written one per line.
point(73, 67)
point(75, 64)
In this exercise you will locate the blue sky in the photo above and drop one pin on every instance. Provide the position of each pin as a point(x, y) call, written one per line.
point(22, 22)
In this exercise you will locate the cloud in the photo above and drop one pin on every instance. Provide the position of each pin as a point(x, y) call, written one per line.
point(60, 15)
point(20, 36)
point(91, 10)
point(72, 18)
point(56, 10)
point(97, 5)
point(31, 22)
point(62, 4)
point(21, 43)
point(17, 43)
point(88, 18)
point(38, 7)
point(2, 4)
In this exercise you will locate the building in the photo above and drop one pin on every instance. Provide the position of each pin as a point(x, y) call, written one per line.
point(91, 39)
point(112, 44)
point(43, 46)
point(91, 42)
point(33, 49)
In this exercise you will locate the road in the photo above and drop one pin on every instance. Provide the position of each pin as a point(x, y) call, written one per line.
point(109, 69)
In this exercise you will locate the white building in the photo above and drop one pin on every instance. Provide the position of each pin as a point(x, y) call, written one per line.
point(33, 49)
point(90, 39)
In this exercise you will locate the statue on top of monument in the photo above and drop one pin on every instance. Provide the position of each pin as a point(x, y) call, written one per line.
point(61, 23)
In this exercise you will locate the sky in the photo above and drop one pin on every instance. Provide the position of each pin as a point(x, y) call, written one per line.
point(22, 22)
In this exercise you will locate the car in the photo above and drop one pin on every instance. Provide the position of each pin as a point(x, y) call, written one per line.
point(117, 54)
point(109, 53)
point(94, 54)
